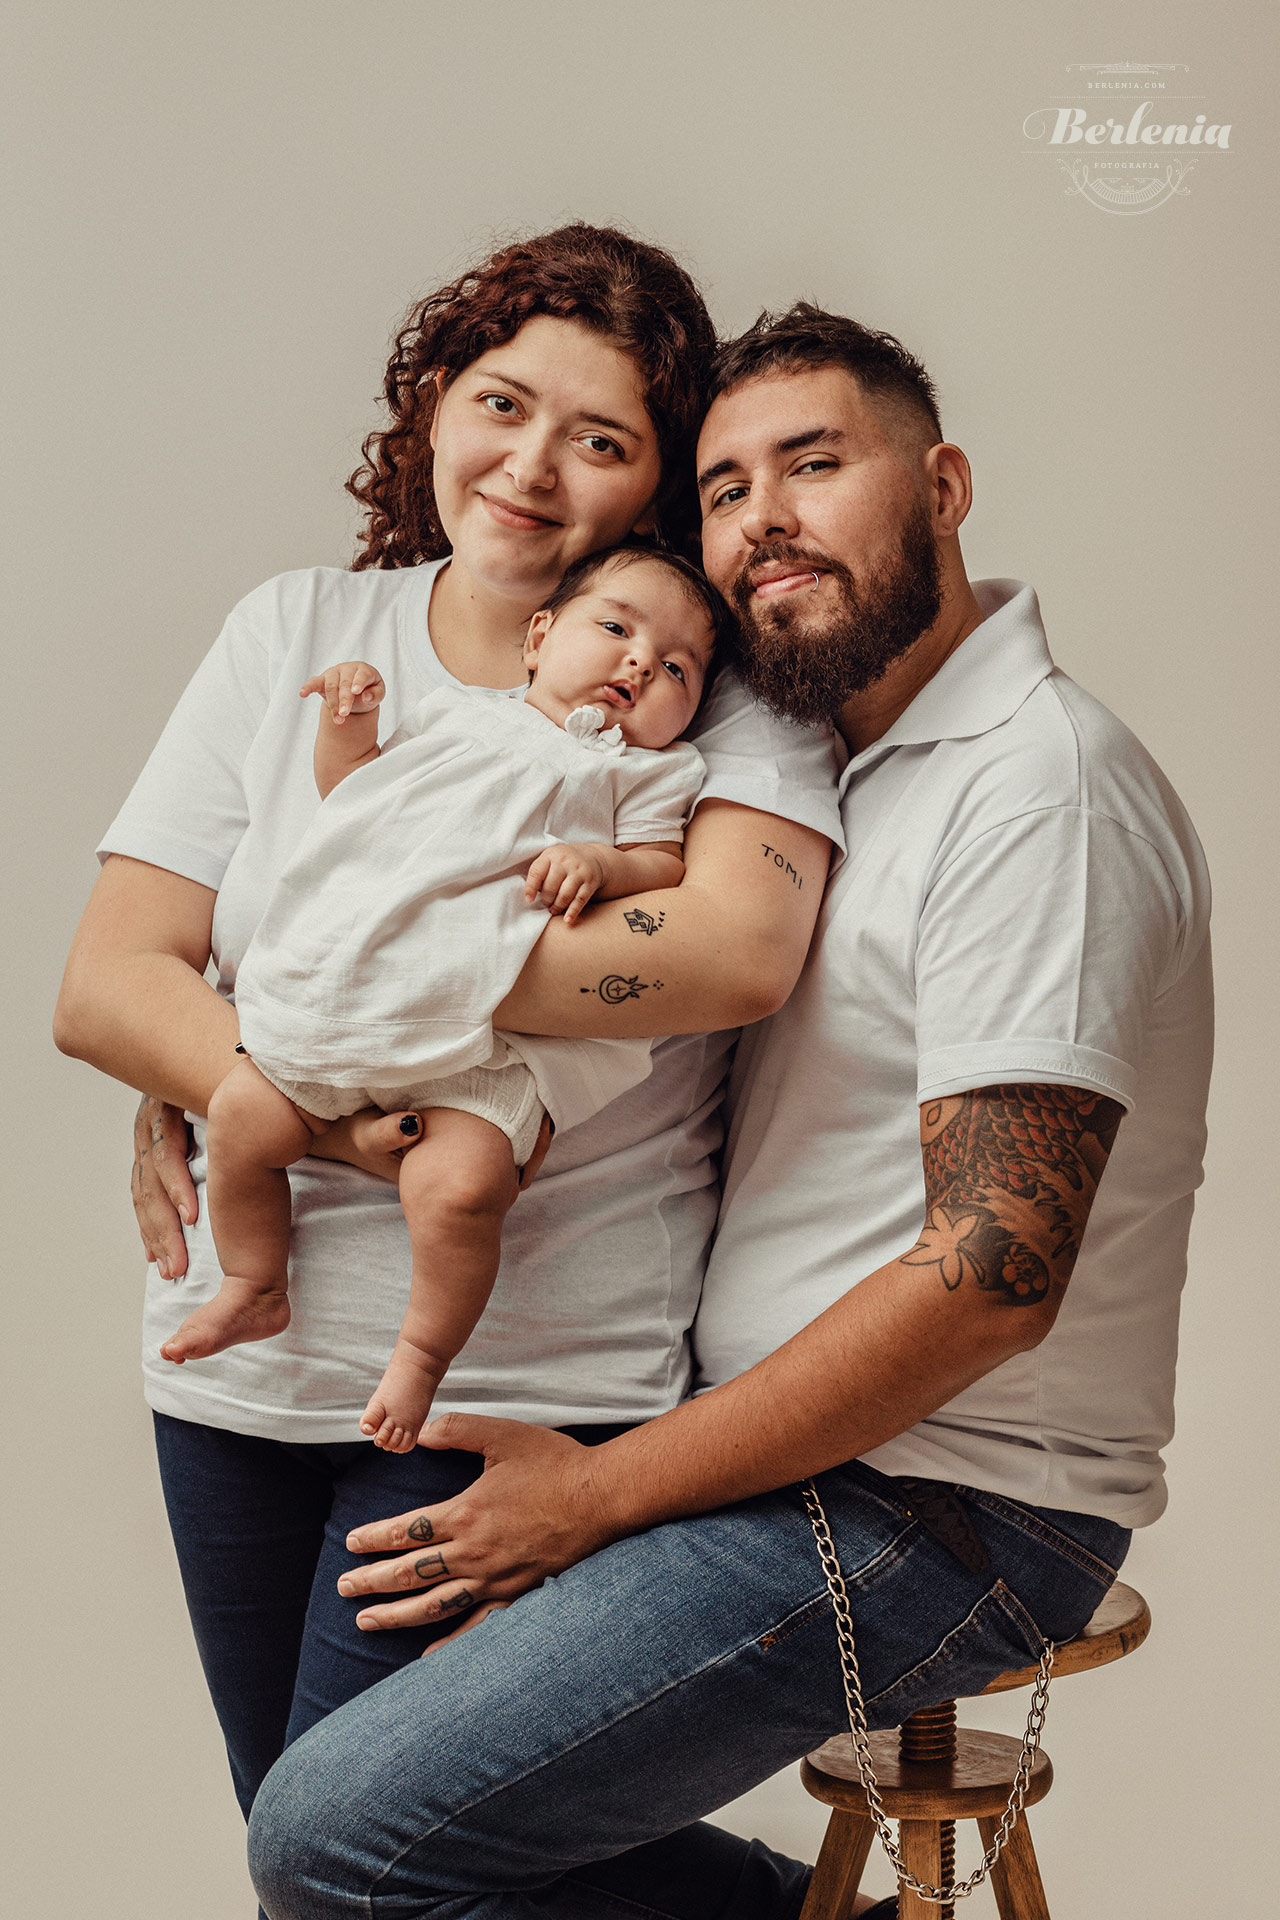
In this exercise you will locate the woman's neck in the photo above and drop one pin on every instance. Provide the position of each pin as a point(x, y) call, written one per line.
point(478, 635)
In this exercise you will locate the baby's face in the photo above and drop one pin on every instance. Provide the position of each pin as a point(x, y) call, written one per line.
point(635, 643)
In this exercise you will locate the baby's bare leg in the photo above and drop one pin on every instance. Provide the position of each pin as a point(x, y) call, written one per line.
point(455, 1187)
point(254, 1133)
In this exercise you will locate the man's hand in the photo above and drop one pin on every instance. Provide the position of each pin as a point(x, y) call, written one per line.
point(164, 1195)
point(532, 1513)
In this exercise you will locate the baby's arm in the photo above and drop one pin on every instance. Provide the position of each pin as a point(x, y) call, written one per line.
point(347, 737)
point(564, 879)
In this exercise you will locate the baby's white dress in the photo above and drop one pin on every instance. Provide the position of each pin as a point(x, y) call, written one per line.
point(400, 923)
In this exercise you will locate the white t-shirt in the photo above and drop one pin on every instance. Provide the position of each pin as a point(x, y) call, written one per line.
point(401, 921)
point(603, 1257)
point(1024, 899)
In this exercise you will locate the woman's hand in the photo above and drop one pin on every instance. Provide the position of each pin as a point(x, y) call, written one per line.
point(377, 1142)
point(164, 1195)
point(533, 1512)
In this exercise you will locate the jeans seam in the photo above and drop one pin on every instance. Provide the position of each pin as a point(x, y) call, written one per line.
point(961, 1626)
point(596, 1733)
point(1031, 1523)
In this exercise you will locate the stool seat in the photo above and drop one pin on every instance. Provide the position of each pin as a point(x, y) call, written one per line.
point(932, 1773)
point(976, 1782)
point(1120, 1624)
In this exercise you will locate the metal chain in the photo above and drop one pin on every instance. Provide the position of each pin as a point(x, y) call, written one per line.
point(934, 1896)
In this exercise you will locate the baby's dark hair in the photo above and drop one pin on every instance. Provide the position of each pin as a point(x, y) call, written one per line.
point(578, 578)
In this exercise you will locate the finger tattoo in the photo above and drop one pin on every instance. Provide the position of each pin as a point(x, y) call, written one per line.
point(421, 1529)
point(431, 1566)
point(457, 1602)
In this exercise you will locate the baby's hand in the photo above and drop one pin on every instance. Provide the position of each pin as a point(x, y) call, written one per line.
point(563, 879)
point(352, 687)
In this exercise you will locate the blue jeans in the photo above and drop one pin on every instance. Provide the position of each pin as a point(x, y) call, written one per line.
point(534, 1769)
point(260, 1529)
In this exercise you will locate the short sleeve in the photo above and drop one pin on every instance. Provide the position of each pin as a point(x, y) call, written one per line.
point(187, 810)
point(760, 760)
point(1041, 950)
point(658, 803)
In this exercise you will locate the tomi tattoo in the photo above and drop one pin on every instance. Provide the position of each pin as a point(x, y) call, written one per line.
point(641, 922)
point(1010, 1173)
point(784, 866)
point(421, 1529)
point(617, 987)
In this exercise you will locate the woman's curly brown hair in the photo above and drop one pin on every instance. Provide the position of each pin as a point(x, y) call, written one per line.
point(633, 293)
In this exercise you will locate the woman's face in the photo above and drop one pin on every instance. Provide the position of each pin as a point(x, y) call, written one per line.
point(544, 451)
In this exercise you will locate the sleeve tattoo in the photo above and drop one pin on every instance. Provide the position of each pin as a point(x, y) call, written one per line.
point(1010, 1174)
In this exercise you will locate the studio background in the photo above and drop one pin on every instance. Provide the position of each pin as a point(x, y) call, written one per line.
point(215, 218)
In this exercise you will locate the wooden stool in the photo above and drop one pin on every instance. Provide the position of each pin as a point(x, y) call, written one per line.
point(932, 1773)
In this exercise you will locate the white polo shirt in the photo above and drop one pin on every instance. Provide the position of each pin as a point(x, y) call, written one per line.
point(1024, 899)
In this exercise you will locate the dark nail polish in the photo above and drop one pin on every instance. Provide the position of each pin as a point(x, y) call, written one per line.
point(411, 1124)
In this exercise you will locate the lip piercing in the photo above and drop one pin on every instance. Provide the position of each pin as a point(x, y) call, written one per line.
point(816, 580)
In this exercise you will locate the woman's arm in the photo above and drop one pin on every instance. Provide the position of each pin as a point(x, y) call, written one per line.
point(134, 1001)
point(723, 948)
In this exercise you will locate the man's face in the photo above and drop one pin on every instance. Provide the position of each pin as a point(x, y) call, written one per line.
point(817, 529)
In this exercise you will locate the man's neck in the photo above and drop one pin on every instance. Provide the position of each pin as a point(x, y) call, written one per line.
point(868, 715)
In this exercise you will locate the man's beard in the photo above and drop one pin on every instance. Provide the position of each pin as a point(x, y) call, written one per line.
point(806, 664)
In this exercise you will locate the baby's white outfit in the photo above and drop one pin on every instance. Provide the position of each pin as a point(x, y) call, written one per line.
point(401, 922)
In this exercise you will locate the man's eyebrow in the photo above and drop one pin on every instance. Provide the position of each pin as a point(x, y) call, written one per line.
point(811, 437)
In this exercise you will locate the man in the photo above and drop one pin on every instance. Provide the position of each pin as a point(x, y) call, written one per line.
point(1009, 996)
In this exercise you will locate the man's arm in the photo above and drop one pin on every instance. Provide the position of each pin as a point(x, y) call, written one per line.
point(724, 947)
point(1010, 1176)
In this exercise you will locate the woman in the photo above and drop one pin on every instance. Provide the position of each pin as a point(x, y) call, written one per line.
point(542, 407)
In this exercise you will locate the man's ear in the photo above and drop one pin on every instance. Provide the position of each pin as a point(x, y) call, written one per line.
point(539, 627)
point(950, 487)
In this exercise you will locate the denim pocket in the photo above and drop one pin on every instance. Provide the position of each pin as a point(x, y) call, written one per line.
point(1097, 1547)
point(996, 1635)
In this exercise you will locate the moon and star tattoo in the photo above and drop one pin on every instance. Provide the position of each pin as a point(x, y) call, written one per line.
point(1010, 1175)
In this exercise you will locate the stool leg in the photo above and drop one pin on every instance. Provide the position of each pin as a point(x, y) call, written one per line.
point(845, 1847)
point(920, 1842)
point(1015, 1878)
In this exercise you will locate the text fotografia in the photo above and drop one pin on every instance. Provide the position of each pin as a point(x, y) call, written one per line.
point(1141, 155)
point(1071, 128)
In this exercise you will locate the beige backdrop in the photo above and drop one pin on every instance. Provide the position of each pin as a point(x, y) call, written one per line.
point(217, 213)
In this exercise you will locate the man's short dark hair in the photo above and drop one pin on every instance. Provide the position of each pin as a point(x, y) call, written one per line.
point(806, 337)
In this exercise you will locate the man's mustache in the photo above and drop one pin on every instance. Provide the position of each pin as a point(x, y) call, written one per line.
point(778, 553)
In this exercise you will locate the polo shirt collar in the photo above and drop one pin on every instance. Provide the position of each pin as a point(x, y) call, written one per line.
point(982, 684)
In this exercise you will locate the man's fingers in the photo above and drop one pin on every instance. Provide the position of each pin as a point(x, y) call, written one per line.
point(406, 1533)
point(442, 1603)
point(473, 1619)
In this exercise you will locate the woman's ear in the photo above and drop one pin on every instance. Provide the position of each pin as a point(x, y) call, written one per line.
point(437, 379)
point(648, 521)
point(539, 627)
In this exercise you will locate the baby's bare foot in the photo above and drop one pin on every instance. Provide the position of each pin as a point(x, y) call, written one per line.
point(238, 1312)
point(402, 1400)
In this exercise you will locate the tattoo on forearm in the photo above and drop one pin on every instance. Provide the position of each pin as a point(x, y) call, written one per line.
point(421, 1529)
point(1010, 1174)
point(431, 1566)
point(641, 922)
point(617, 987)
point(783, 865)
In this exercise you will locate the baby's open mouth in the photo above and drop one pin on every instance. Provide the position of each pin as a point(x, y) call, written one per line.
point(620, 693)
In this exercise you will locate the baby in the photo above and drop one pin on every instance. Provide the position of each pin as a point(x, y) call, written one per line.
point(403, 920)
